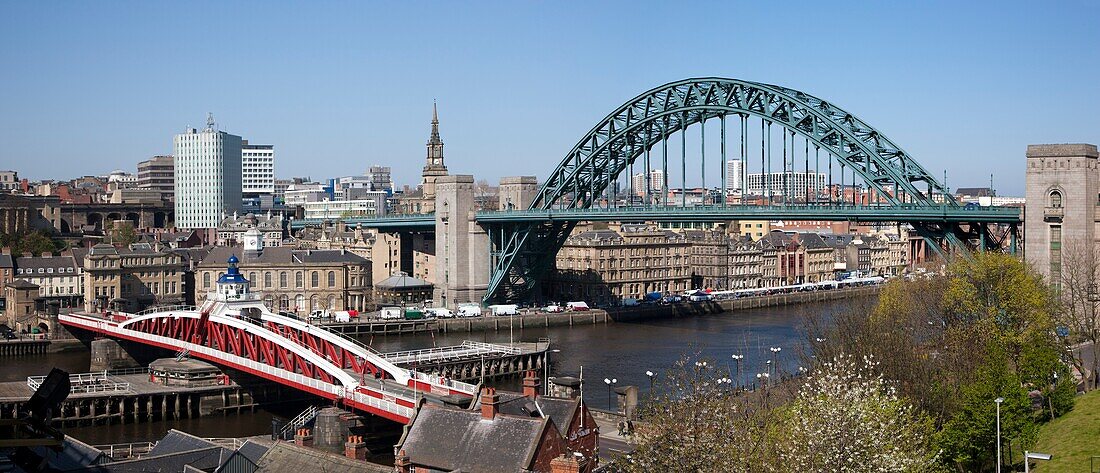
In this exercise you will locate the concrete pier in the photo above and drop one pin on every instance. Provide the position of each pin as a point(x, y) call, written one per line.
point(21, 347)
point(142, 400)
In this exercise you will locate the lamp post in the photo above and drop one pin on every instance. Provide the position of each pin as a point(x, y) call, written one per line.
point(998, 401)
point(737, 359)
point(609, 383)
point(652, 376)
point(775, 353)
point(1033, 456)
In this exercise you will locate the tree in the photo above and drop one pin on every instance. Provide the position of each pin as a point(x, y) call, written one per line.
point(847, 417)
point(1080, 297)
point(969, 438)
point(695, 421)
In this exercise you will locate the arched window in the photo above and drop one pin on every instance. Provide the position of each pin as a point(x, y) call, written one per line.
point(284, 302)
point(282, 279)
point(252, 276)
point(332, 279)
point(332, 302)
point(299, 279)
point(206, 280)
point(267, 279)
point(1055, 199)
point(315, 279)
point(300, 303)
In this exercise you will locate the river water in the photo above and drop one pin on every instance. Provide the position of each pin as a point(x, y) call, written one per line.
point(623, 351)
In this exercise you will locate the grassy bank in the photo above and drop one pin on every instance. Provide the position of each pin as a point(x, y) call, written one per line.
point(1072, 439)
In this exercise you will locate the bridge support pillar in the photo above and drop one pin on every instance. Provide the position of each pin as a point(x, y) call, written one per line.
point(107, 354)
point(461, 245)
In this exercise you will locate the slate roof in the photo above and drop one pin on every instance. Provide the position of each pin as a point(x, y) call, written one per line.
point(279, 255)
point(401, 280)
point(176, 441)
point(206, 459)
point(560, 410)
point(6, 261)
point(73, 455)
point(22, 284)
point(812, 241)
point(33, 263)
point(451, 439)
point(285, 457)
point(598, 235)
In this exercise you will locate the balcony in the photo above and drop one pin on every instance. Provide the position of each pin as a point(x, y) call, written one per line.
point(1053, 214)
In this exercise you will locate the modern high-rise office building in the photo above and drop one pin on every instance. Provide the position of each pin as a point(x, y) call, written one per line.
point(798, 185)
point(735, 175)
point(157, 173)
point(257, 169)
point(656, 182)
point(207, 176)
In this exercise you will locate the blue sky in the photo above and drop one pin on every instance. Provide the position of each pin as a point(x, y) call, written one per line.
point(94, 86)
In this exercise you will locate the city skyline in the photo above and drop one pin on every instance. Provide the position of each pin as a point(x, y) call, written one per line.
point(334, 111)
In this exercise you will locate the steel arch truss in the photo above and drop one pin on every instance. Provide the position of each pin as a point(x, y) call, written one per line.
point(621, 137)
point(521, 253)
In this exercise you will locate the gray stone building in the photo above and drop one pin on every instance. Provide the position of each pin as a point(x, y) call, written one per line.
point(1063, 187)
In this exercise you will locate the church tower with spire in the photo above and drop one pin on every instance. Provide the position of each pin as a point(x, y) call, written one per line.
point(434, 167)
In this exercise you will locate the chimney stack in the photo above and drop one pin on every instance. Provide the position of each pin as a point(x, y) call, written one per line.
point(355, 448)
point(402, 463)
point(303, 438)
point(567, 463)
point(489, 401)
point(530, 385)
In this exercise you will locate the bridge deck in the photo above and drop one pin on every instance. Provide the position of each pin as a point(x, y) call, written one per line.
point(139, 385)
point(468, 350)
point(710, 213)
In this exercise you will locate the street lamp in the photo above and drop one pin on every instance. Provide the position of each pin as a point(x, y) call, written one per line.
point(1033, 456)
point(998, 401)
point(737, 359)
point(651, 375)
point(775, 353)
point(609, 383)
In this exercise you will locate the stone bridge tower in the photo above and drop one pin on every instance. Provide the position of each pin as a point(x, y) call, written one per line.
point(461, 245)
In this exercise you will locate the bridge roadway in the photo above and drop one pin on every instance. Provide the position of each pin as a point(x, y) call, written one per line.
point(861, 213)
point(286, 351)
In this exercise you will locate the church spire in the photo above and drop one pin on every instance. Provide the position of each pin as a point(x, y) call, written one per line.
point(434, 140)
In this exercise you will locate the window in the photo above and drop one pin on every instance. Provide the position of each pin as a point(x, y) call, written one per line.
point(1055, 199)
point(282, 279)
point(299, 279)
point(332, 279)
point(315, 279)
point(205, 280)
point(1056, 255)
point(251, 276)
point(267, 279)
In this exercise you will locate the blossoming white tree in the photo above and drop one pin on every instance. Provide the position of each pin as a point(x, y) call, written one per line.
point(848, 418)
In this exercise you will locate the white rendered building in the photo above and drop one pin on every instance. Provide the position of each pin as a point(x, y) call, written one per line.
point(207, 176)
point(735, 175)
point(257, 168)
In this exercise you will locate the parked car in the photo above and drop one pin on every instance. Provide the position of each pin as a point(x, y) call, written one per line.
point(579, 306)
point(553, 308)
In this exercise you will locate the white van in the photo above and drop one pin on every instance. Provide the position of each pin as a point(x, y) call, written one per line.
point(392, 313)
point(342, 316)
point(578, 306)
point(469, 310)
point(439, 312)
point(504, 309)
